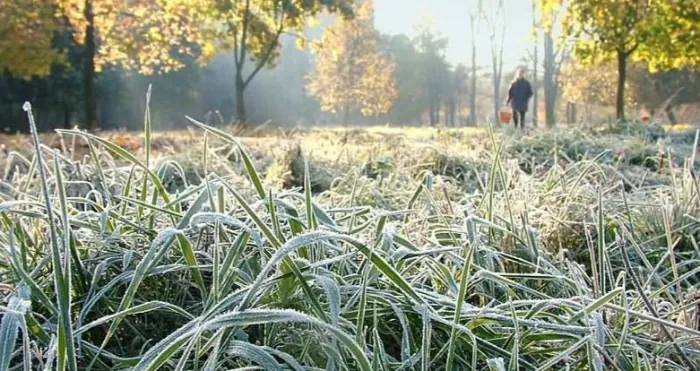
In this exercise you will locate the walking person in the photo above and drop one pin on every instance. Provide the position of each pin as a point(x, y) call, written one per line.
point(519, 95)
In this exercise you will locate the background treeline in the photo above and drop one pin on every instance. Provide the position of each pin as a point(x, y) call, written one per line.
point(322, 62)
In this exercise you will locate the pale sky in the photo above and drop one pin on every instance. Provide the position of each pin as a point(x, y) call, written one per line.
point(451, 18)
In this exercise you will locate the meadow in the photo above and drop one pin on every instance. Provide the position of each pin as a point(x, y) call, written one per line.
point(363, 249)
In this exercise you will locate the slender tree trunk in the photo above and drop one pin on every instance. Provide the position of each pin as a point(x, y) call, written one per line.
point(66, 116)
point(431, 98)
point(447, 113)
point(438, 109)
point(570, 113)
point(670, 114)
point(496, 94)
point(621, 79)
point(89, 98)
point(472, 95)
point(240, 98)
point(550, 84)
point(497, 76)
point(550, 101)
point(346, 114)
point(435, 101)
point(498, 62)
point(458, 112)
point(535, 84)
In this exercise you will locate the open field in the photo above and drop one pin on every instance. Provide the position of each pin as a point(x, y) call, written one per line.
point(369, 249)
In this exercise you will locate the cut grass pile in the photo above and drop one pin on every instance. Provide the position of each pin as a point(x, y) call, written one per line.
point(447, 250)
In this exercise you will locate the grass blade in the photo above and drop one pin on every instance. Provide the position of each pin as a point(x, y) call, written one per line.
point(66, 348)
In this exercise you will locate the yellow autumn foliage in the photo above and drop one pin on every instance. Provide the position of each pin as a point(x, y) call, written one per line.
point(350, 73)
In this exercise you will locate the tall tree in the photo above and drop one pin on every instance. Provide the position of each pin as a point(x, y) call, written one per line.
point(555, 54)
point(657, 32)
point(351, 73)
point(591, 85)
point(139, 35)
point(535, 65)
point(460, 79)
point(434, 69)
point(378, 86)
point(252, 30)
point(410, 103)
point(611, 29)
point(657, 92)
point(27, 30)
point(495, 19)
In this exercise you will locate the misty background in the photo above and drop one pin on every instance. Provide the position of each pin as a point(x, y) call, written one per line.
point(277, 95)
point(437, 81)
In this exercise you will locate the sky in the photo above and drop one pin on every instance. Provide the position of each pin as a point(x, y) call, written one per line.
point(451, 19)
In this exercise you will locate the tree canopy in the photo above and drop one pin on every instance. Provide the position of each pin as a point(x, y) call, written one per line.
point(251, 29)
point(658, 33)
point(27, 30)
point(351, 73)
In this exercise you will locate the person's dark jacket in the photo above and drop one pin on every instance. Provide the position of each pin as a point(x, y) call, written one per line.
point(519, 94)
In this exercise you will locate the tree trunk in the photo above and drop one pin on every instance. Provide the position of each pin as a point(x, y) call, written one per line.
point(621, 79)
point(550, 85)
point(496, 97)
point(670, 114)
point(497, 75)
point(497, 51)
point(472, 96)
point(432, 109)
point(89, 98)
point(436, 99)
point(346, 115)
point(570, 113)
point(66, 116)
point(438, 109)
point(550, 102)
point(240, 98)
point(446, 115)
point(535, 103)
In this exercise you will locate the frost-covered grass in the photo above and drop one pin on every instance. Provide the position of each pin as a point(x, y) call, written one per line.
point(428, 249)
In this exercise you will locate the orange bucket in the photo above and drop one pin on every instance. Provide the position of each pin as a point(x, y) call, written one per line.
point(505, 116)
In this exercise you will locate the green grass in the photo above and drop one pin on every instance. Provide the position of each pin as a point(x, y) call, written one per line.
point(426, 249)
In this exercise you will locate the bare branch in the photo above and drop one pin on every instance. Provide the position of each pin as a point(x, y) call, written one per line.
point(244, 35)
point(261, 63)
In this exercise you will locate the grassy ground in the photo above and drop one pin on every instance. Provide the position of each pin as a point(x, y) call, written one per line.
point(381, 248)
